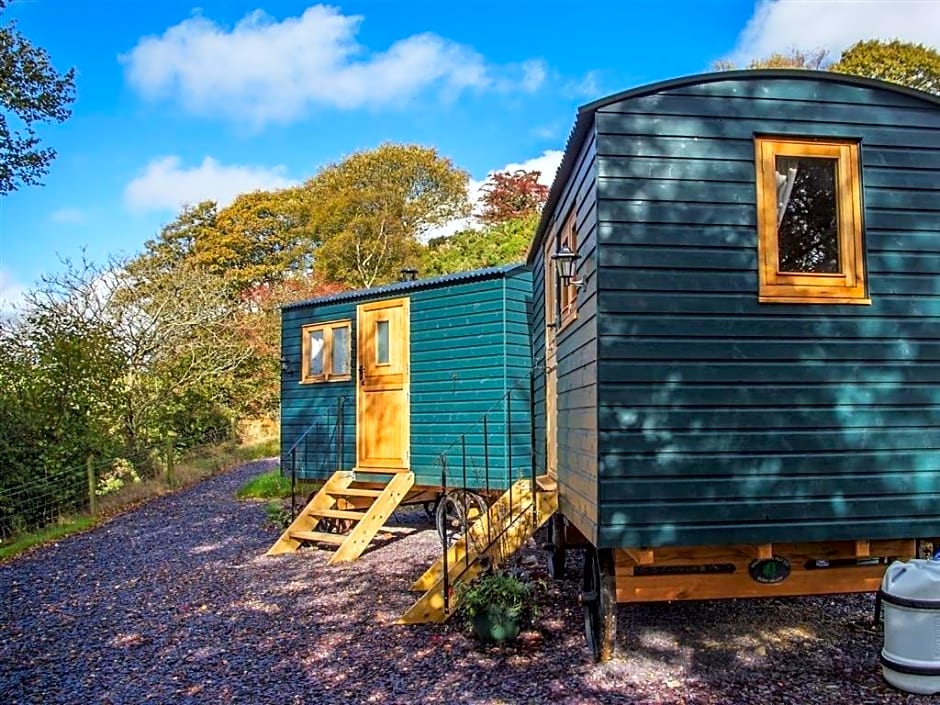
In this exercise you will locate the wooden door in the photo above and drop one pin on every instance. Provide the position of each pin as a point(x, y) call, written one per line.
point(382, 408)
point(551, 364)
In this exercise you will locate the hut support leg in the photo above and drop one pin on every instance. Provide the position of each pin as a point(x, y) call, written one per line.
point(599, 599)
point(556, 561)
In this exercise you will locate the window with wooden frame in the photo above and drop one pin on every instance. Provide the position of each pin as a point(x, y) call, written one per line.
point(568, 294)
point(325, 350)
point(809, 221)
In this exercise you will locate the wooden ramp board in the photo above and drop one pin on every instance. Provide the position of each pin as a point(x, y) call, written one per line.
point(498, 534)
point(366, 521)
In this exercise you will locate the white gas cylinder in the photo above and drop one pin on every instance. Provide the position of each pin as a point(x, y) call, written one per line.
point(910, 597)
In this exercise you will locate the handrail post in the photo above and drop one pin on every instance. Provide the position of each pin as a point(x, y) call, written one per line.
point(464, 496)
point(535, 510)
point(446, 581)
point(340, 430)
point(486, 468)
point(508, 436)
point(293, 483)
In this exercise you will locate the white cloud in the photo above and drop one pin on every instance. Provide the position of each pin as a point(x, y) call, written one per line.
point(262, 70)
point(68, 216)
point(11, 294)
point(533, 75)
point(778, 26)
point(546, 164)
point(165, 184)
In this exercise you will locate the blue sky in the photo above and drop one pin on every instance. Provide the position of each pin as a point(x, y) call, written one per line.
point(179, 102)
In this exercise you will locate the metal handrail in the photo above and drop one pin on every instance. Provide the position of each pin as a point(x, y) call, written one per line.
point(338, 440)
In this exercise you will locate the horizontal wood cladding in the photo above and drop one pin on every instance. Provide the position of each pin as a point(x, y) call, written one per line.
point(718, 415)
point(461, 371)
point(312, 409)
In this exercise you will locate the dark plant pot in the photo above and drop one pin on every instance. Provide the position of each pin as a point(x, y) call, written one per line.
point(495, 625)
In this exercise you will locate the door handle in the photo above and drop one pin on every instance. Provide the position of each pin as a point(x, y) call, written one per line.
point(362, 374)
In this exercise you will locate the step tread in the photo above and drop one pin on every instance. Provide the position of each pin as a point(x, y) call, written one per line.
point(356, 492)
point(320, 536)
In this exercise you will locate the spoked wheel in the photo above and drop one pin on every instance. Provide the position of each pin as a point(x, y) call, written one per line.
point(556, 560)
point(599, 599)
point(456, 510)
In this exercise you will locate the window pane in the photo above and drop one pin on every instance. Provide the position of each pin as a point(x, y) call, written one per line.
point(381, 342)
point(340, 358)
point(807, 227)
point(315, 343)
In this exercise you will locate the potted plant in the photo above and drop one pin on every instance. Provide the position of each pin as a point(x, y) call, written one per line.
point(495, 606)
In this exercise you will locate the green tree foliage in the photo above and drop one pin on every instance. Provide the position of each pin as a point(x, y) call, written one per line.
point(61, 396)
point(31, 92)
point(512, 195)
point(492, 246)
point(178, 242)
point(912, 65)
point(368, 211)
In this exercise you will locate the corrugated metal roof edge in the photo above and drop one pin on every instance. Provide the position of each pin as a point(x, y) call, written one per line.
point(585, 116)
point(418, 284)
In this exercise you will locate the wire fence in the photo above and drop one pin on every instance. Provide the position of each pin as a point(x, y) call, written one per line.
point(31, 501)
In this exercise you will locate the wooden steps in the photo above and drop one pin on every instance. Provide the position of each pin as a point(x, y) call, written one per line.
point(366, 521)
point(319, 537)
point(507, 525)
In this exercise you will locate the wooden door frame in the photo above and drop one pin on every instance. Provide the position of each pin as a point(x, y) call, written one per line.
point(552, 322)
point(403, 344)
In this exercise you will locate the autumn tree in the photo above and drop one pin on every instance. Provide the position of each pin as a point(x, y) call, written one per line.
point(32, 92)
point(178, 241)
point(261, 237)
point(369, 210)
point(907, 64)
point(794, 58)
point(512, 195)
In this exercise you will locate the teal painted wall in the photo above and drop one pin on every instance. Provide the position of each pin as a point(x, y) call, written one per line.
point(470, 357)
point(309, 411)
point(723, 420)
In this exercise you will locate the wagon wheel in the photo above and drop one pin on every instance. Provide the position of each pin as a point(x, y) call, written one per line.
point(599, 600)
point(456, 510)
point(556, 560)
point(333, 525)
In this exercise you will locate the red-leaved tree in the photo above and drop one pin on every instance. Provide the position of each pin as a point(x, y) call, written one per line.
point(510, 195)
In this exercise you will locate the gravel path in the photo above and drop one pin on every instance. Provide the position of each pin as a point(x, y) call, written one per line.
point(175, 602)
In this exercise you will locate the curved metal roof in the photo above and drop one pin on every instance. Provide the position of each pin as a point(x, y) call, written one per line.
point(585, 117)
point(408, 286)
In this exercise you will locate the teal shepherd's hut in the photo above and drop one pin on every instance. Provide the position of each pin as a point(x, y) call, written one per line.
point(395, 393)
point(738, 389)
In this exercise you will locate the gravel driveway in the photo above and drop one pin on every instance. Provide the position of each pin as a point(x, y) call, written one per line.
point(175, 602)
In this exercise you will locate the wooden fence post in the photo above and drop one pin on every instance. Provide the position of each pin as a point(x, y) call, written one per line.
point(169, 461)
point(92, 486)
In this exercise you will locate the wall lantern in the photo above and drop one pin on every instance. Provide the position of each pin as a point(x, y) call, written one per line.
point(565, 263)
point(286, 366)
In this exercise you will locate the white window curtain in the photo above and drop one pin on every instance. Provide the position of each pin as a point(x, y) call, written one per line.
point(786, 176)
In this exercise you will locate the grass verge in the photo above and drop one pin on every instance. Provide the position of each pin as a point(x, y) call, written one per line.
point(269, 485)
point(24, 542)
